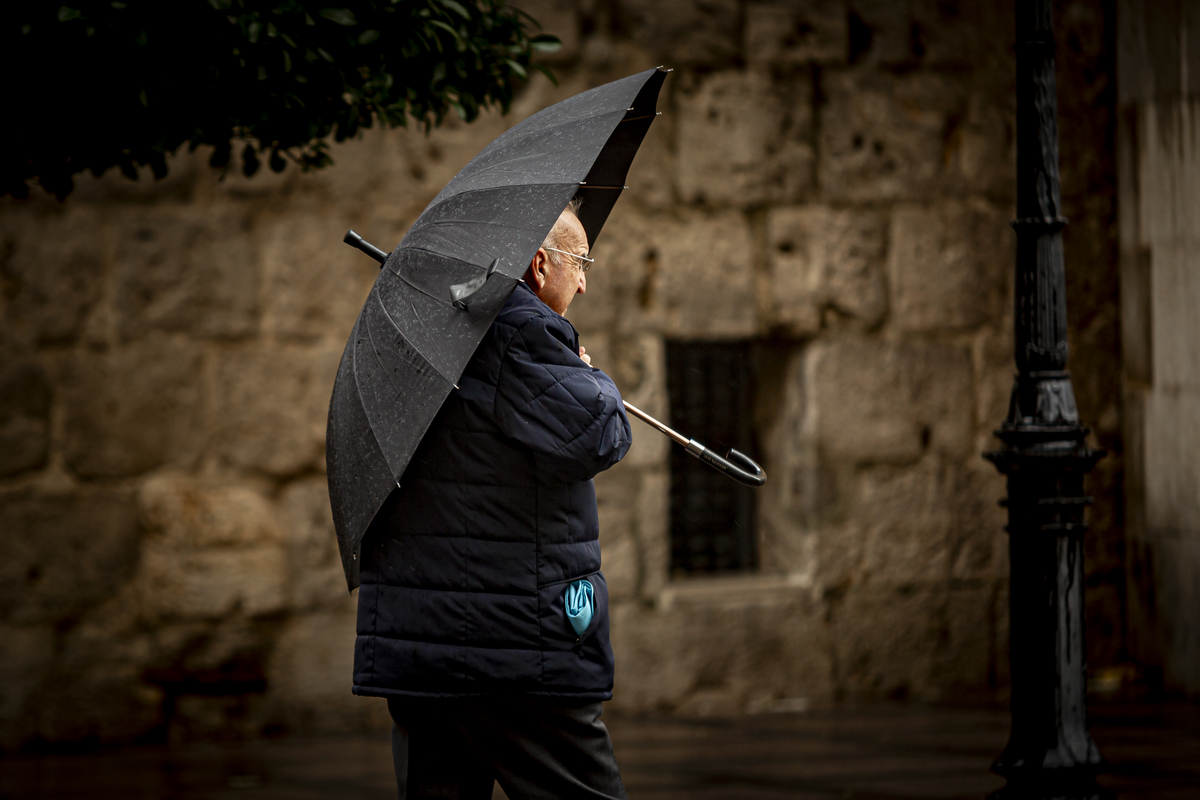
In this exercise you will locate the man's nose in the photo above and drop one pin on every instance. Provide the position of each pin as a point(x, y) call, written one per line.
point(582, 283)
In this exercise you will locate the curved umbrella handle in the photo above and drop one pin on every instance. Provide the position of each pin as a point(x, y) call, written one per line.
point(749, 473)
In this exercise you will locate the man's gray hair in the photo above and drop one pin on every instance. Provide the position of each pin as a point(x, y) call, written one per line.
point(555, 237)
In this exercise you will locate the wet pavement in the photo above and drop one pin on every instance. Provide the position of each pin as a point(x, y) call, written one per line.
point(871, 753)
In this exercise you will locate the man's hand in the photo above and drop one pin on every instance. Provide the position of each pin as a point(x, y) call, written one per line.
point(583, 354)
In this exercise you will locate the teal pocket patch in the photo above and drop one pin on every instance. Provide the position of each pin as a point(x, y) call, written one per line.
point(580, 606)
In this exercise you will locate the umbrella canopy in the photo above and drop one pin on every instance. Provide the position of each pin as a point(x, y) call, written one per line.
point(442, 286)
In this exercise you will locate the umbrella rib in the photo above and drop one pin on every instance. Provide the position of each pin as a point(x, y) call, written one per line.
point(644, 116)
point(358, 383)
point(536, 157)
point(440, 222)
point(432, 339)
point(512, 143)
point(421, 289)
point(400, 330)
point(440, 201)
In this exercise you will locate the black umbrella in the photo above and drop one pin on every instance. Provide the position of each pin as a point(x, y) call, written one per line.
point(442, 286)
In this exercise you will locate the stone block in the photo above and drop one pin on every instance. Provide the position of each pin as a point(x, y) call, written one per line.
point(210, 584)
point(822, 258)
point(315, 568)
point(1168, 170)
point(1104, 614)
point(879, 402)
point(271, 406)
point(24, 663)
point(906, 519)
point(1137, 316)
point(129, 410)
point(948, 266)
point(743, 138)
point(215, 718)
point(99, 692)
point(228, 654)
point(960, 34)
point(978, 543)
point(721, 645)
point(310, 673)
point(929, 32)
point(924, 524)
point(651, 177)
point(63, 553)
point(1171, 427)
point(689, 275)
point(621, 567)
point(621, 288)
point(24, 417)
point(917, 135)
point(100, 701)
point(1175, 287)
point(315, 284)
point(52, 271)
point(705, 288)
point(790, 458)
point(973, 661)
point(881, 137)
point(963, 34)
point(994, 371)
point(1175, 618)
point(189, 514)
point(682, 31)
point(188, 271)
point(616, 493)
point(210, 551)
point(796, 33)
point(913, 642)
point(877, 31)
point(652, 529)
point(980, 152)
point(640, 373)
point(875, 145)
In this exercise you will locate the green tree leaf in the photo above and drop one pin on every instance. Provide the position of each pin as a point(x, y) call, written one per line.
point(545, 43)
point(457, 9)
point(317, 73)
point(342, 16)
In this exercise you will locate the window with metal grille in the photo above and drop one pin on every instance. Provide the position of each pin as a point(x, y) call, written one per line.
point(712, 517)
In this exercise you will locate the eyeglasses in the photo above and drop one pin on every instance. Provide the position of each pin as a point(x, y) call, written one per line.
point(584, 263)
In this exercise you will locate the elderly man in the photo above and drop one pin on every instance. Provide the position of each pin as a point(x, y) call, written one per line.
point(483, 614)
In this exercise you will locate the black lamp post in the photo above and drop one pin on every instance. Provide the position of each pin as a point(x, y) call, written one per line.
point(1045, 458)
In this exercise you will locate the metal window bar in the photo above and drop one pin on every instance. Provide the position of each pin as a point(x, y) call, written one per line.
point(712, 518)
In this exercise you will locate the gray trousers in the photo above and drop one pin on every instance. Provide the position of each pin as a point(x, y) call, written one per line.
point(536, 747)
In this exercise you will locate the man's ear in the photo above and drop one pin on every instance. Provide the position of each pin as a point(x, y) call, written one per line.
point(536, 274)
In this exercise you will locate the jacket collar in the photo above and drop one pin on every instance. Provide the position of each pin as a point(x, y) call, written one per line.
point(523, 299)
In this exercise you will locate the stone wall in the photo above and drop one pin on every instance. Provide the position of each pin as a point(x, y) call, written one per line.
point(1160, 292)
point(830, 178)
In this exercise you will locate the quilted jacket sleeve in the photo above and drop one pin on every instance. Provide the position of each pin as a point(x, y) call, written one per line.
point(548, 399)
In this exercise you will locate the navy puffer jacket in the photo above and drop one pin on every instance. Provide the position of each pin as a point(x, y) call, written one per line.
point(465, 567)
